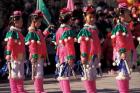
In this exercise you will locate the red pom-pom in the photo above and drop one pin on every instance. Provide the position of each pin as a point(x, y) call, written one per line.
point(16, 13)
point(88, 9)
point(64, 11)
point(37, 13)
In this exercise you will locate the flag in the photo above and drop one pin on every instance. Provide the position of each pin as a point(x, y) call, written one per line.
point(42, 7)
point(70, 5)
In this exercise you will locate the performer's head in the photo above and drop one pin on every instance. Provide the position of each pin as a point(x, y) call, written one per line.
point(134, 12)
point(122, 52)
point(65, 16)
point(89, 14)
point(36, 18)
point(134, 9)
point(16, 19)
point(124, 13)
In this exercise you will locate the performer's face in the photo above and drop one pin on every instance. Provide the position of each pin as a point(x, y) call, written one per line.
point(83, 60)
point(125, 17)
point(123, 56)
point(19, 23)
point(37, 23)
point(89, 19)
point(133, 10)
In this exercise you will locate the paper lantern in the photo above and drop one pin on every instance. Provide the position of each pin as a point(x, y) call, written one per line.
point(130, 2)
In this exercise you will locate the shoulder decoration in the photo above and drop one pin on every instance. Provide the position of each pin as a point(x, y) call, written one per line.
point(33, 37)
point(83, 34)
point(67, 35)
point(119, 29)
point(11, 34)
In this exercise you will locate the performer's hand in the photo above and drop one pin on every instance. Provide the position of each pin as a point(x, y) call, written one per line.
point(50, 27)
point(114, 63)
point(33, 60)
point(8, 57)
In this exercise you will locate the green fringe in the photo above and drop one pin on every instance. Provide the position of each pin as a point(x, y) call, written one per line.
point(119, 27)
point(32, 36)
point(84, 32)
point(84, 54)
point(35, 56)
point(122, 50)
point(12, 34)
point(70, 57)
point(7, 52)
point(69, 33)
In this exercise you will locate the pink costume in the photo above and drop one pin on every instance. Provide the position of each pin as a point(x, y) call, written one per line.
point(65, 53)
point(120, 34)
point(37, 48)
point(15, 49)
point(122, 43)
point(90, 50)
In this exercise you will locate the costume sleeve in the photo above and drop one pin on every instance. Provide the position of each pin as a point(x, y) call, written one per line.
point(83, 38)
point(32, 40)
point(68, 38)
point(11, 39)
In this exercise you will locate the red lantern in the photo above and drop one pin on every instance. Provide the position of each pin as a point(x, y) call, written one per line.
point(130, 2)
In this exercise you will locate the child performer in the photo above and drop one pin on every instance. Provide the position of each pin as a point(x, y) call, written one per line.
point(37, 48)
point(123, 45)
point(65, 50)
point(123, 76)
point(15, 53)
point(90, 49)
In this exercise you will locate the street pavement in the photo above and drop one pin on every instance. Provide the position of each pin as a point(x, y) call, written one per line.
point(106, 84)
